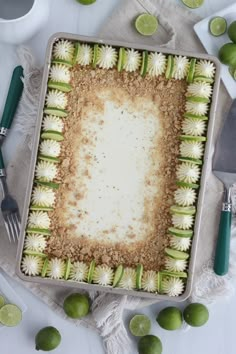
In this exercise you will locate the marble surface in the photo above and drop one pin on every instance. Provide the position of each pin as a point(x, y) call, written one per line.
point(217, 337)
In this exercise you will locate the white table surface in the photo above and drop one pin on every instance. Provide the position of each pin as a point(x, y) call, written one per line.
point(218, 336)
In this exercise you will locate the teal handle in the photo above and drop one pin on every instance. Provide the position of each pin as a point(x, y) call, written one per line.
point(1, 161)
point(13, 98)
point(221, 264)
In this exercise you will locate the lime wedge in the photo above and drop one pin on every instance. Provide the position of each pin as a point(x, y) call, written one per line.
point(232, 71)
point(121, 59)
point(91, 271)
point(118, 275)
point(10, 315)
point(188, 210)
point(191, 71)
point(176, 254)
point(140, 325)
point(218, 26)
point(139, 274)
point(193, 4)
point(169, 67)
point(95, 55)
point(146, 24)
point(144, 66)
point(2, 301)
point(180, 233)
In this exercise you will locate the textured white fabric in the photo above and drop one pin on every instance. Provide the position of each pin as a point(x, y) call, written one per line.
point(107, 309)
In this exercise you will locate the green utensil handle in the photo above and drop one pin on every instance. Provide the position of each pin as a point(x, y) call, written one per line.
point(221, 264)
point(13, 98)
point(1, 161)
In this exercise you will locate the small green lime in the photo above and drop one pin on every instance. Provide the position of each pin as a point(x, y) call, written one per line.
point(193, 4)
point(140, 325)
point(48, 338)
point(76, 305)
point(170, 318)
point(146, 24)
point(232, 31)
point(227, 54)
point(149, 345)
point(196, 315)
point(10, 315)
point(86, 2)
point(218, 26)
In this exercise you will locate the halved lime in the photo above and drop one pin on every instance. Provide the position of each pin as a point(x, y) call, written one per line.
point(191, 160)
point(146, 24)
point(139, 274)
point(140, 325)
point(45, 268)
point(180, 233)
point(176, 254)
point(40, 207)
point(170, 318)
point(193, 4)
point(232, 71)
point(10, 315)
point(61, 86)
point(52, 185)
point(192, 138)
point(194, 116)
point(121, 59)
point(68, 268)
point(188, 185)
point(196, 314)
point(118, 275)
point(95, 55)
point(51, 134)
point(2, 301)
point(91, 271)
point(144, 65)
point(191, 70)
point(201, 78)
point(168, 273)
point(218, 26)
point(197, 99)
point(169, 67)
point(188, 210)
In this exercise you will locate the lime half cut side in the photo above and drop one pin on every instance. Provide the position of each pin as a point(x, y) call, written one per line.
point(218, 26)
point(140, 325)
point(10, 315)
point(146, 24)
point(193, 4)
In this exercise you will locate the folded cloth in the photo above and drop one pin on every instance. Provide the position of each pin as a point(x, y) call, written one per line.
point(107, 309)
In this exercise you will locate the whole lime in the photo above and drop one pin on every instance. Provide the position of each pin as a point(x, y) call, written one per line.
point(86, 2)
point(149, 345)
point(227, 54)
point(232, 31)
point(196, 315)
point(47, 339)
point(170, 318)
point(76, 305)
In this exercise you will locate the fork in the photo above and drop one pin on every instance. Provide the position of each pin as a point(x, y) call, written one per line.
point(9, 207)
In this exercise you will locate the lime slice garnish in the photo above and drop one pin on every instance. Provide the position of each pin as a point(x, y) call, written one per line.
point(176, 254)
point(201, 78)
point(191, 71)
point(144, 66)
point(191, 160)
point(95, 55)
point(68, 268)
point(45, 268)
point(91, 271)
point(121, 59)
point(49, 158)
point(187, 185)
point(197, 99)
point(2, 301)
point(118, 275)
point(146, 24)
point(193, 4)
point(159, 281)
point(52, 185)
point(218, 26)
point(232, 71)
point(10, 315)
point(37, 230)
point(61, 86)
point(56, 112)
point(51, 134)
point(180, 233)
point(76, 52)
point(168, 273)
point(63, 62)
point(139, 274)
point(192, 138)
point(194, 116)
point(188, 210)
point(169, 67)
point(35, 253)
point(140, 325)
point(38, 207)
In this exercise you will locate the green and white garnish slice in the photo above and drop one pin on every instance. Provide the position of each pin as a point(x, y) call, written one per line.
point(37, 230)
point(121, 59)
point(197, 99)
point(194, 116)
point(191, 70)
point(68, 269)
point(49, 158)
point(91, 271)
point(10, 315)
point(56, 112)
point(169, 67)
point(144, 66)
point(77, 47)
point(45, 268)
point(139, 274)
point(118, 275)
point(176, 209)
point(176, 254)
point(140, 325)
point(217, 26)
point(193, 4)
point(192, 138)
point(180, 233)
point(50, 134)
point(61, 86)
point(35, 253)
point(146, 24)
point(187, 184)
point(52, 185)
point(191, 160)
point(95, 55)
point(40, 207)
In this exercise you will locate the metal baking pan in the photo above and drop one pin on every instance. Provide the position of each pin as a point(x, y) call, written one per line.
point(201, 196)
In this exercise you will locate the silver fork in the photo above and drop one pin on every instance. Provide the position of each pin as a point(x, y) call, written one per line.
point(9, 207)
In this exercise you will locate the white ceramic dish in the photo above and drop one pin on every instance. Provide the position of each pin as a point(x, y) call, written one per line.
point(10, 295)
point(213, 44)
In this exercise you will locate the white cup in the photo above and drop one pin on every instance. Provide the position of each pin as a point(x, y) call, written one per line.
point(20, 20)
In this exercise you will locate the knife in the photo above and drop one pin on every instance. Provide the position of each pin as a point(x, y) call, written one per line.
point(224, 168)
point(13, 98)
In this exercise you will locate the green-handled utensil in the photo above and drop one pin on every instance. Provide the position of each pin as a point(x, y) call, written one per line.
point(224, 168)
point(13, 98)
